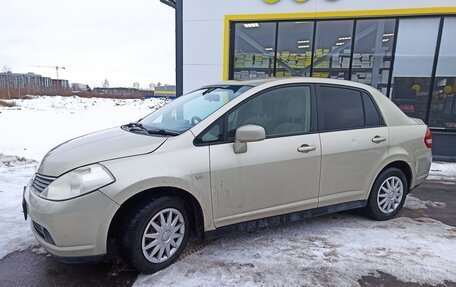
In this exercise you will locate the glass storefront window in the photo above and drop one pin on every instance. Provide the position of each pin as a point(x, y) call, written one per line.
point(255, 57)
point(254, 49)
point(414, 58)
point(333, 41)
point(443, 105)
point(294, 49)
point(372, 52)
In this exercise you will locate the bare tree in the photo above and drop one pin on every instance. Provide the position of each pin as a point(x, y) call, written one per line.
point(7, 70)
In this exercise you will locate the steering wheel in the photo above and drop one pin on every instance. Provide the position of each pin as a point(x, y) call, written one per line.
point(195, 120)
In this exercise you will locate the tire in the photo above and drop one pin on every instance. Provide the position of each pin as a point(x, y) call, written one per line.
point(133, 240)
point(388, 194)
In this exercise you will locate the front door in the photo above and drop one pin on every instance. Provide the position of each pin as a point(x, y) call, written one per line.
point(277, 175)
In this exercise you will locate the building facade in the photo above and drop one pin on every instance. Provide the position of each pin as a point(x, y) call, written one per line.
point(121, 92)
point(168, 91)
point(31, 83)
point(404, 48)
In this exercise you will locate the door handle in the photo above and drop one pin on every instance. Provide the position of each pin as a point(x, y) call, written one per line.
point(306, 148)
point(378, 139)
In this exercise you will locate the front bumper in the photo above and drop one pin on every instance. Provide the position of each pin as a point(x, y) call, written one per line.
point(71, 229)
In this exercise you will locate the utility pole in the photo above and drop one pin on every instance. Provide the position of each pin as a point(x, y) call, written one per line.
point(178, 7)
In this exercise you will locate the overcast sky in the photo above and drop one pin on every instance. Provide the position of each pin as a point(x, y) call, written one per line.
point(123, 41)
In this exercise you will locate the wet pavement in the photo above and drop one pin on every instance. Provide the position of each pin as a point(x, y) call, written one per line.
point(27, 268)
point(388, 280)
point(34, 268)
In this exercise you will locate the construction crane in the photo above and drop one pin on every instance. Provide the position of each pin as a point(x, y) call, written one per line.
point(57, 68)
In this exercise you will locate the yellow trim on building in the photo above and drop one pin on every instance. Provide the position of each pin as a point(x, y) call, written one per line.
point(165, 92)
point(324, 15)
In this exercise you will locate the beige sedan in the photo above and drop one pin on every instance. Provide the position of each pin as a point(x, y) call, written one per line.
point(224, 158)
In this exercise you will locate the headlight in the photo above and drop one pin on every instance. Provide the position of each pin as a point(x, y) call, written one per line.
point(78, 182)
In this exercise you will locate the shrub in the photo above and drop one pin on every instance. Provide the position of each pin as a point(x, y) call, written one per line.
point(7, 104)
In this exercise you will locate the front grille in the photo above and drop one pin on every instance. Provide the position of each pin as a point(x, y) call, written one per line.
point(40, 182)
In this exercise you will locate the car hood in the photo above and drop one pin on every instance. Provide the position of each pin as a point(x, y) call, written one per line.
point(95, 147)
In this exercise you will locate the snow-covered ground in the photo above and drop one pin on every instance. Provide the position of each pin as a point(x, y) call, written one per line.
point(32, 128)
point(332, 250)
point(443, 171)
point(35, 126)
point(15, 233)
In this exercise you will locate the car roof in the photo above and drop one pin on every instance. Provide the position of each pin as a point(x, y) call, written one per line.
point(289, 80)
point(391, 113)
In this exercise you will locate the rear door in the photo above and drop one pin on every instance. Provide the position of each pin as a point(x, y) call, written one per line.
point(354, 142)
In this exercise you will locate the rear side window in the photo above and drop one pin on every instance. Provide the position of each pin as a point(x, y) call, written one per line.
point(341, 108)
point(370, 112)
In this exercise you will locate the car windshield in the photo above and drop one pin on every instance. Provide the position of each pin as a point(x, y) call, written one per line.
point(188, 110)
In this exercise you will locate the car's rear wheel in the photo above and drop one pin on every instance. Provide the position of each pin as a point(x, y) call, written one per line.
point(154, 235)
point(388, 194)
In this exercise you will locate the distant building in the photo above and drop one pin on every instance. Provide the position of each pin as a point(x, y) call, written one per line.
point(136, 85)
point(165, 91)
point(122, 92)
point(77, 87)
point(32, 83)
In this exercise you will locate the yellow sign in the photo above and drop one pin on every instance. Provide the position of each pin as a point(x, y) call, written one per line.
point(275, 1)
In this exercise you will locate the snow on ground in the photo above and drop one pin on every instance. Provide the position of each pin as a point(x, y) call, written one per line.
point(332, 250)
point(443, 171)
point(37, 125)
point(415, 203)
point(15, 233)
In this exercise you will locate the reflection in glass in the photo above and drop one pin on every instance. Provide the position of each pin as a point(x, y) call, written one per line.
point(371, 63)
point(413, 63)
point(333, 41)
point(254, 47)
point(443, 105)
point(294, 49)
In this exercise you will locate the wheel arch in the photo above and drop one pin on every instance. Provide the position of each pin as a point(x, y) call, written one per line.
point(402, 165)
point(191, 203)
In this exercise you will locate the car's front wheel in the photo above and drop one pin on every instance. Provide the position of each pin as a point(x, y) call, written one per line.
point(154, 235)
point(388, 194)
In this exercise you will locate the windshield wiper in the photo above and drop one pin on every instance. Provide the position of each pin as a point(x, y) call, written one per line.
point(139, 127)
point(136, 125)
point(162, 132)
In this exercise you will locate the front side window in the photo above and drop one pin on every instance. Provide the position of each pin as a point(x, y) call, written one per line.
point(281, 112)
point(341, 108)
point(188, 110)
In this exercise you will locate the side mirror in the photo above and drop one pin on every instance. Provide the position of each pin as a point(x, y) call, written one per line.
point(245, 134)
